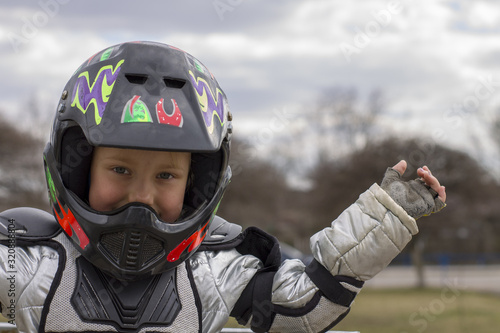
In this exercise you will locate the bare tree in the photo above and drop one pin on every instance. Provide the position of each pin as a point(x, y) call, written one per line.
point(340, 117)
point(495, 129)
point(257, 190)
point(21, 169)
point(469, 224)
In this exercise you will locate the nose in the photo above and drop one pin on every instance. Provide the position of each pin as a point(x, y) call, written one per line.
point(143, 191)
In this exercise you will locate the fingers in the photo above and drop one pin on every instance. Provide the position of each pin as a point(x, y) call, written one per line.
point(426, 175)
point(400, 167)
point(432, 182)
point(442, 194)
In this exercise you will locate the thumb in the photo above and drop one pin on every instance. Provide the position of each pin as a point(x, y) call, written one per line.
point(400, 167)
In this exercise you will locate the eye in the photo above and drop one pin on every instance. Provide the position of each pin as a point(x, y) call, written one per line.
point(165, 175)
point(120, 170)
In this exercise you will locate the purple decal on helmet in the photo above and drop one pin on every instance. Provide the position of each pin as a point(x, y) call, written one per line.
point(98, 93)
point(210, 105)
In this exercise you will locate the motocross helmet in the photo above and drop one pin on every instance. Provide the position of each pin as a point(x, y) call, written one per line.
point(138, 95)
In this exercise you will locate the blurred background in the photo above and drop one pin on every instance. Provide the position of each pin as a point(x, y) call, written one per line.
point(325, 95)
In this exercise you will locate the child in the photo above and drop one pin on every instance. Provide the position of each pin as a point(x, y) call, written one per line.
point(136, 167)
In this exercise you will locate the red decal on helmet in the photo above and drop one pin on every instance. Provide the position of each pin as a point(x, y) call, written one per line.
point(194, 240)
point(69, 224)
point(132, 104)
point(175, 118)
point(176, 48)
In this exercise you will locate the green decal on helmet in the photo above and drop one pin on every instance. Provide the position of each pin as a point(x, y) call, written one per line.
point(107, 53)
point(136, 111)
point(199, 66)
point(50, 184)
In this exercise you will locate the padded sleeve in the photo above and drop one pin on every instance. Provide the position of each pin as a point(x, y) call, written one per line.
point(361, 242)
point(28, 264)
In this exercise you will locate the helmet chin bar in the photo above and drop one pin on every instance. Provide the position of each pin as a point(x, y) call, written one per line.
point(131, 246)
point(133, 243)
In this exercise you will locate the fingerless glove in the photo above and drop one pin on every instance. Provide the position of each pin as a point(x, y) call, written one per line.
point(416, 197)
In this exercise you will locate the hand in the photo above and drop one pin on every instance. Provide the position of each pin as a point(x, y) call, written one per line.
point(426, 175)
point(418, 197)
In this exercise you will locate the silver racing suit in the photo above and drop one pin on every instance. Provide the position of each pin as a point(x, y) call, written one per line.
point(46, 286)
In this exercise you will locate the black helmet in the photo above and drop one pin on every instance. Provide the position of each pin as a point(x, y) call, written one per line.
point(138, 95)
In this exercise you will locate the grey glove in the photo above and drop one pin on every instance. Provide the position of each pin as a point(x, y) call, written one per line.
point(416, 198)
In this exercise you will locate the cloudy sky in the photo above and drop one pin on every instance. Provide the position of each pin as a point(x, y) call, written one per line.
point(436, 61)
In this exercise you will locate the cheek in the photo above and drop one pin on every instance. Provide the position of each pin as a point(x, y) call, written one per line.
point(171, 206)
point(103, 196)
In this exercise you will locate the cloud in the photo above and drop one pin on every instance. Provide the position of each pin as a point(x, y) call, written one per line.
point(425, 56)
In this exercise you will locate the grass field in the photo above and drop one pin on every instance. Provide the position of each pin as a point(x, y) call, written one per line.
point(429, 310)
point(420, 310)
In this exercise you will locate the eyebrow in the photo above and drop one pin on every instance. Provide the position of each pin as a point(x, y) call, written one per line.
point(173, 162)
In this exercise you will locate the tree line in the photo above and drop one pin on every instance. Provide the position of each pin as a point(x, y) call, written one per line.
point(470, 223)
point(260, 194)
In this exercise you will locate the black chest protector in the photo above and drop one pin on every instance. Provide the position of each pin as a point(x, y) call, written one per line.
point(166, 302)
point(128, 306)
point(99, 303)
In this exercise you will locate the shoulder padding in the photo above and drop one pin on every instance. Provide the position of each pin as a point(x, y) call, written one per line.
point(29, 223)
point(223, 235)
point(221, 232)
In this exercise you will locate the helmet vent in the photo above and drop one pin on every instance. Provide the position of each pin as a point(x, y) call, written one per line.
point(113, 243)
point(133, 249)
point(174, 83)
point(152, 248)
point(136, 78)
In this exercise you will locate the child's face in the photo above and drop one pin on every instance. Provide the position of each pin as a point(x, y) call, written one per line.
point(121, 176)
